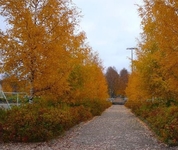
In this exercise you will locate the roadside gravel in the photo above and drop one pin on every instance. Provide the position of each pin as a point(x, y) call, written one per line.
point(116, 129)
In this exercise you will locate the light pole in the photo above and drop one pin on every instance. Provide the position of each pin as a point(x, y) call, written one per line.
point(131, 49)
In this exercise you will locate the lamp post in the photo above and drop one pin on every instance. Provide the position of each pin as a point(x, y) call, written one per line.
point(131, 49)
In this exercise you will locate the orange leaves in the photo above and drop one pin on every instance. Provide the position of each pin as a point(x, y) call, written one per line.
point(44, 50)
point(157, 57)
point(38, 43)
point(87, 80)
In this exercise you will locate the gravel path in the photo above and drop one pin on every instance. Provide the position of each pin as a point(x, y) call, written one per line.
point(116, 129)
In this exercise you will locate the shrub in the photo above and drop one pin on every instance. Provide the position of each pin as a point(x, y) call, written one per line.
point(161, 118)
point(164, 122)
point(79, 114)
point(44, 121)
point(96, 106)
point(31, 124)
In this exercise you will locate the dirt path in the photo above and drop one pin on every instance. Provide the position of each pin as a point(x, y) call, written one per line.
point(116, 129)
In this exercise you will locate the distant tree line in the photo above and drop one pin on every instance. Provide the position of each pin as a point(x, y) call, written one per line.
point(117, 82)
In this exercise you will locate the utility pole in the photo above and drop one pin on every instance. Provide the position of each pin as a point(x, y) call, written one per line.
point(131, 49)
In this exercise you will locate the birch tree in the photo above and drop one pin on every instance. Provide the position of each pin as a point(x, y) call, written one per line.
point(38, 45)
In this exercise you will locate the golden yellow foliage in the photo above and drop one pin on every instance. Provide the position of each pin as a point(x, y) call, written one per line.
point(157, 62)
point(87, 80)
point(46, 54)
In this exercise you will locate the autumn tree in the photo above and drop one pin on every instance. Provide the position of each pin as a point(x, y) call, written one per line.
point(123, 81)
point(157, 53)
point(159, 46)
point(112, 78)
point(44, 53)
point(95, 84)
point(41, 43)
point(87, 80)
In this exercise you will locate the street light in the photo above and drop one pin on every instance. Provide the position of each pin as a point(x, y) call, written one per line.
point(131, 49)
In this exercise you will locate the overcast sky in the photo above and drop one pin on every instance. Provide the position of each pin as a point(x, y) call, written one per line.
point(111, 26)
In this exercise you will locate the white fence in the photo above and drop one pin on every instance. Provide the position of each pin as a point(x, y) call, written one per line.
point(8, 99)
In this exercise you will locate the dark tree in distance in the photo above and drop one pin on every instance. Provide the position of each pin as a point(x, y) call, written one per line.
point(123, 81)
point(112, 78)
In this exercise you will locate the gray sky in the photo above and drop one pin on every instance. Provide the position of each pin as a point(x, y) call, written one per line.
point(111, 26)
